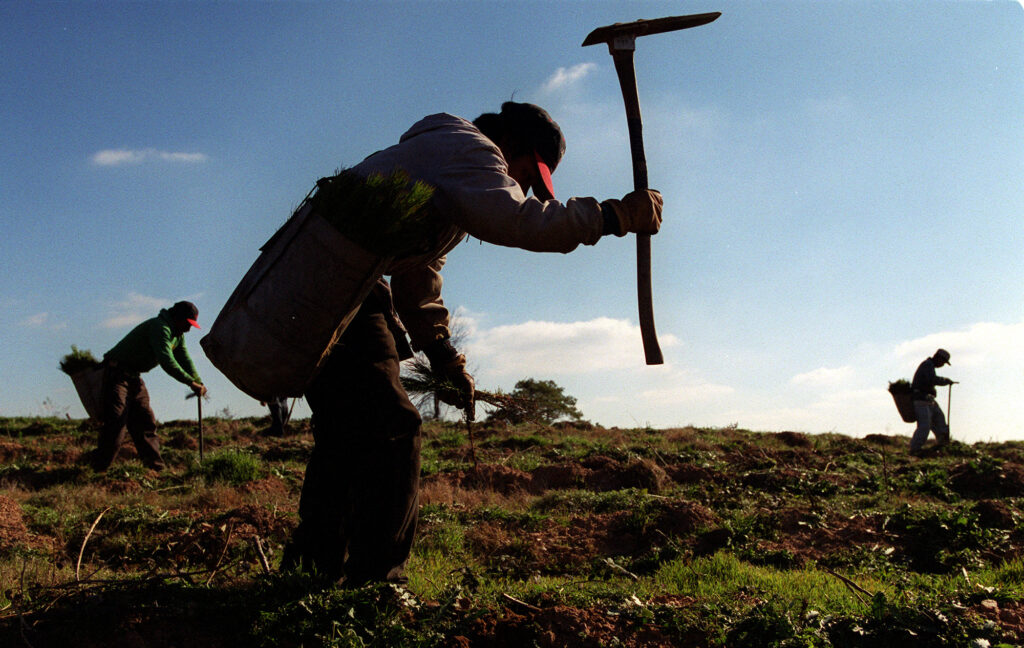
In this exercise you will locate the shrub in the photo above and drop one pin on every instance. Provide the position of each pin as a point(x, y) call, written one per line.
point(232, 466)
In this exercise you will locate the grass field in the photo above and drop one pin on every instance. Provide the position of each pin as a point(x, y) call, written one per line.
point(554, 536)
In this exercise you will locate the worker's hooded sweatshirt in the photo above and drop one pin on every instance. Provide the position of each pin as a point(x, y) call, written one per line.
point(151, 343)
point(474, 195)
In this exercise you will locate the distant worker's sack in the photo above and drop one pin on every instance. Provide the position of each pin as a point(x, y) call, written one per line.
point(89, 385)
point(86, 374)
point(277, 328)
point(900, 391)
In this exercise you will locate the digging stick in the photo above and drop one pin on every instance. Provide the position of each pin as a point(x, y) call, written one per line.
point(621, 40)
point(199, 399)
point(949, 411)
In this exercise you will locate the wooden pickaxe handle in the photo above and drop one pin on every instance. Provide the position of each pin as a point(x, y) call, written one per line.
point(623, 59)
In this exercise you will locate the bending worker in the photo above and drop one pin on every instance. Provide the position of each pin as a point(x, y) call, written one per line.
point(929, 414)
point(359, 499)
point(157, 341)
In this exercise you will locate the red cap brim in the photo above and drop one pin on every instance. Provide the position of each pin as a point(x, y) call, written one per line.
point(194, 323)
point(546, 191)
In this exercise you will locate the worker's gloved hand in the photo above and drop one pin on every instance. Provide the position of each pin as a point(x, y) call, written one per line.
point(638, 211)
point(450, 366)
point(199, 389)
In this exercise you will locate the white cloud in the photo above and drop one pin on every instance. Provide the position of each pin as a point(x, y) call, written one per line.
point(976, 345)
point(134, 309)
point(684, 389)
point(43, 320)
point(543, 348)
point(564, 77)
point(120, 157)
point(824, 376)
point(35, 320)
point(600, 362)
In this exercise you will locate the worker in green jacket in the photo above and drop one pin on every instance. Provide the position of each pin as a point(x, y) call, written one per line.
point(157, 341)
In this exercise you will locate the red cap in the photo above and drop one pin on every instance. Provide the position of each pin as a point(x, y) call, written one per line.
point(194, 323)
point(544, 191)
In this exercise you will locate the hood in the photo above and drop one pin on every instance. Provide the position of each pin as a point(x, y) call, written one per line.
point(435, 122)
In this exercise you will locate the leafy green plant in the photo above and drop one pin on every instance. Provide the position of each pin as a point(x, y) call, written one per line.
point(940, 540)
point(231, 467)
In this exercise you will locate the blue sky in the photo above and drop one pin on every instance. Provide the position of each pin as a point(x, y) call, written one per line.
point(843, 184)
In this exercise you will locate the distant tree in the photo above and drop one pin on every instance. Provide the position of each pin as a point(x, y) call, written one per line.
point(542, 401)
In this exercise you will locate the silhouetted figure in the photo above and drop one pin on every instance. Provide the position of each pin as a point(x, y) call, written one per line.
point(929, 414)
point(359, 500)
point(157, 341)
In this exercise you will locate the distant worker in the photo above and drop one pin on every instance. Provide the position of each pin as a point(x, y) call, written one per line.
point(359, 503)
point(157, 341)
point(922, 391)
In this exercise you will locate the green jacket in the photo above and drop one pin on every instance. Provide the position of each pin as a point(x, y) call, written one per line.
point(153, 343)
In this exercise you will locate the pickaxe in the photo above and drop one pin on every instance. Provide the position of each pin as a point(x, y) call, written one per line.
point(621, 39)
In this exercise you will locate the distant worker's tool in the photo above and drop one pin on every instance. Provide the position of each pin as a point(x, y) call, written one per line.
point(621, 39)
point(199, 400)
point(949, 408)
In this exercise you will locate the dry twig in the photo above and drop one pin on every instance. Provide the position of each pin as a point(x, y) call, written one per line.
point(619, 569)
point(263, 557)
point(224, 550)
point(81, 551)
point(526, 605)
point(850, 585)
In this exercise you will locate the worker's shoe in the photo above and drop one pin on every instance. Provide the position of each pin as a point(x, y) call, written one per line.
point(98, 463)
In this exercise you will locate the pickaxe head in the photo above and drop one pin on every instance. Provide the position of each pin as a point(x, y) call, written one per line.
point(622, 36)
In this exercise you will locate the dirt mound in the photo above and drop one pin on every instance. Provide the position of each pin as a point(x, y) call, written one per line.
point(596, 473)
point(10, 451)
point(557, 477)
point(692, 474)
point(886, 440)
point(486, 477)
point(984, 481)
point(559, 626)
point(252, 519)
point(34, 479)
point(806, 535)
point(1008, 614)
point(609, 474)
point(996, 514)
point(13, 531)
point(794, 439)
point(557, 548)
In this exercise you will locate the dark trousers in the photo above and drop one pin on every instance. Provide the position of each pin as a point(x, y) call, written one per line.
point(360, 497)
point(278, 416)
point(126, 408)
